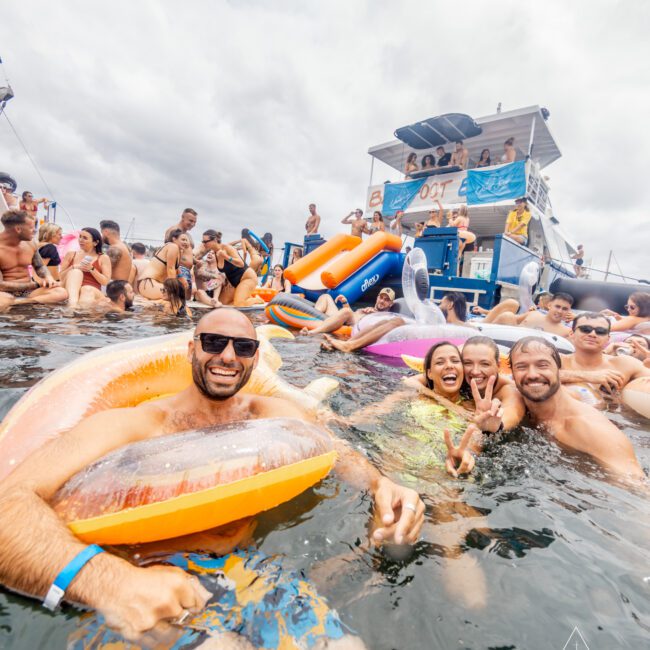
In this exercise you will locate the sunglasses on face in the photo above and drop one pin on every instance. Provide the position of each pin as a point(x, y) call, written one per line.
point(588, 329)
point(207, 241)
point(217, 343)
point(629, 307)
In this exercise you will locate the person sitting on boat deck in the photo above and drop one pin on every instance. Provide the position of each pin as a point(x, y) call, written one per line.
point(277, 281)
point(435, 217)
point(242, 280)
point(174, 301)
point(411, 165)
point(189, 217)
point(536, 364)
point(635, 345)
point(460, 219)
point(186, 267)
point(377, 224)
point(460, 156)
point(313, 221)
point(428, 162)
point(444, 158)
point(17, 252)
point(118, 251)
point(209, 281)
point(49, 236)
point(30, 205)
point(86, 271)
point(517, 222)
point(164, 264)
point(223, 354)
point(139, 262)
point(559, 309)
point(120, 295)
point(358, 225)
point(395, 226)
point(589, 364)
point(13, 205)
point(579, 257)
point(638, 314)
point(419, 229)
point(509, 151)
point(454, 307)
point(345, 315)
point(485, 160)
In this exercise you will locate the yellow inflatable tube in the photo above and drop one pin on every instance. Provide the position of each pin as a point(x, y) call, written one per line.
point(125, 375)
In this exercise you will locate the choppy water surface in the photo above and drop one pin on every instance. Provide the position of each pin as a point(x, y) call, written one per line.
point(535, 544)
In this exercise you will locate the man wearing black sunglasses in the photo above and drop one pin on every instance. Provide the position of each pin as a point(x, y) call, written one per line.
point(223, 354)
point(590, 365)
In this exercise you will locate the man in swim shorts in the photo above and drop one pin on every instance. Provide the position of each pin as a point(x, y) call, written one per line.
point(118, 251)
point(188, 220)
point(535, 364)
point(17, 252)
point(589, 364)
point(559, 308)
point(133, 600)
point(345, 315)
point(120, 295)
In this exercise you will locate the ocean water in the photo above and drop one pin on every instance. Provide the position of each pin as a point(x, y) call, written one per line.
point(535, 544)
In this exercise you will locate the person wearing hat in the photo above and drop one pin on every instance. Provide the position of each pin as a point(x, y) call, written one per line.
point(346, 316)
point(517, 222)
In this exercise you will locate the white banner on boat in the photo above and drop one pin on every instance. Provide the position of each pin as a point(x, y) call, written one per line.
point(449, 189)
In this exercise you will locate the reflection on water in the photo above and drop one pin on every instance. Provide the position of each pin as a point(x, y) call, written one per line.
point(533, 545)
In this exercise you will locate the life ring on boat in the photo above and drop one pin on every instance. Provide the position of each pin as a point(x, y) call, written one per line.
point(184, 483)
point(289, 310)
point(265, 293)
point(131, 373)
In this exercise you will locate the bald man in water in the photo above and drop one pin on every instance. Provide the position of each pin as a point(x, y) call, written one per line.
point(133, 599)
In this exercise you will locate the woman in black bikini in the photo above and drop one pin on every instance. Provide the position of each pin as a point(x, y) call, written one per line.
point(164, 264)
point(242, 280)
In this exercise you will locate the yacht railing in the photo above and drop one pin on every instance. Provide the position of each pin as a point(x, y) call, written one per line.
point(537, 189)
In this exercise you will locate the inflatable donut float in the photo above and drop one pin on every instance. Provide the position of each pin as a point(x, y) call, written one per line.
point(192, 481)
point(127, 374)
point(289, 310)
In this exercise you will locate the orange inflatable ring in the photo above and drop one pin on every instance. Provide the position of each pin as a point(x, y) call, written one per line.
point(265, 293)
point(180, 484)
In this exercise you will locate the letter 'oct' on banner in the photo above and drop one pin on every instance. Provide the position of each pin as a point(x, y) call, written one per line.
point(492, 185)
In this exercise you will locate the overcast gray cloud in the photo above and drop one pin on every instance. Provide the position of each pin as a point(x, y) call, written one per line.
point(248, 111)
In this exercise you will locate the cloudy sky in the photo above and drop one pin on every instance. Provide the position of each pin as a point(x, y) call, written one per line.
point(248, 111)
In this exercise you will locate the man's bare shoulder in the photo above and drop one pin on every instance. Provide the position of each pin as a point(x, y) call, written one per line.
point(274, 407)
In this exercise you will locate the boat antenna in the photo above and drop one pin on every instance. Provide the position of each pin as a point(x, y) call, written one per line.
point(499, 107)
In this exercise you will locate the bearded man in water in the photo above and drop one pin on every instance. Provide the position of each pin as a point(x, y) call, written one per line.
point(17, 252)
point(223, 354)
point(535, 367)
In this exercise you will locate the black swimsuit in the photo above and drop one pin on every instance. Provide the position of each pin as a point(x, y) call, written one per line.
point(233, 273)
point(163, 262)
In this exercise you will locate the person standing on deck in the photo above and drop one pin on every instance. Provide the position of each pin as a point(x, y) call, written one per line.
point(118, 251)
point(313, 220)
point(358, 225)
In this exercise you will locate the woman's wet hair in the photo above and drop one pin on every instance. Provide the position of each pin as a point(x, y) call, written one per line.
point(483, 340)
point(174, 234)
point(522, 345)
point(175, 291)
point(47, 231)
point(642, 301)
point(97, 239)
point(459, 304)
point(429, 356)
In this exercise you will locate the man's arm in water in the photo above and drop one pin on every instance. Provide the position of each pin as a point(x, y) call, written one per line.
point(35, 544)
point(399, 524)
point(592, 433)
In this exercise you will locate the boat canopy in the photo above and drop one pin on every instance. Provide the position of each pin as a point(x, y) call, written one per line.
point(438, 131)
point(492, 132)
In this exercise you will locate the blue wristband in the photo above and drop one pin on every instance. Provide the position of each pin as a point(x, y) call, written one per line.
point(62, 581)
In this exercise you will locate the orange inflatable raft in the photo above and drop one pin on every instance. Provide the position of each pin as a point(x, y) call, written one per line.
point(180, 484)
